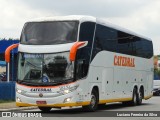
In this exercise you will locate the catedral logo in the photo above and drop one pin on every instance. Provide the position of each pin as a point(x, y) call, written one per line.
point(124, 61)
point(40, 90)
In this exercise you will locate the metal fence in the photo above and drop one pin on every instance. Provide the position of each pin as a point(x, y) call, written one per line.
point(7, 91)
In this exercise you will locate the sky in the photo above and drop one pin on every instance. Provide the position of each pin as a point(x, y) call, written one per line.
point(139, 16)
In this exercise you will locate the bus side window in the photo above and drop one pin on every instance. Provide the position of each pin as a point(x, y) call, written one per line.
point(80, 67)
point(83, 54)
point(124, 45)
point(105, 40)
point(147, 48)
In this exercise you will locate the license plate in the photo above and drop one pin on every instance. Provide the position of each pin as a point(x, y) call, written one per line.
point(41, 102)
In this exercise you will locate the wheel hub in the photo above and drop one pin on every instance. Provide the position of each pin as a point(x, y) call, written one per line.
point(93, 100)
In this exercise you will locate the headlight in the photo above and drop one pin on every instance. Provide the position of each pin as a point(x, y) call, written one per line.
point(68, 90)
point(20, 91)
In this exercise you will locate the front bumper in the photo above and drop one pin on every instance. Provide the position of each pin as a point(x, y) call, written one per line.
point(59, 101)
point(21, 104)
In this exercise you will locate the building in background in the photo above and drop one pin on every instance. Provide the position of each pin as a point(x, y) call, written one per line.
point(155, 62)
point(157, 67)
point(4, 43)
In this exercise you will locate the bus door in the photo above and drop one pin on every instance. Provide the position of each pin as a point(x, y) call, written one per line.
point(107, 82)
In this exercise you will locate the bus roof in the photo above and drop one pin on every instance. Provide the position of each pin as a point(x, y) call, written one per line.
point(80, 18)
point(83, 18)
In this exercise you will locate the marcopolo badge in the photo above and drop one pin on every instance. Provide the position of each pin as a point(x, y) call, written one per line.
point(40, 95)
point(45, 79)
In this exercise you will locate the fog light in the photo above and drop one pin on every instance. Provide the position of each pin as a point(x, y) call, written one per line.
point(18, 99)
point(67, 100)
point(66, 91)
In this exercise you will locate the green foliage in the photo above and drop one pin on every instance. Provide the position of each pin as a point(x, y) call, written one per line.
point(6, 101)
point(156, 71)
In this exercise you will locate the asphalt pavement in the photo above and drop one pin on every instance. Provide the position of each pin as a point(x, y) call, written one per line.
point(149, 107)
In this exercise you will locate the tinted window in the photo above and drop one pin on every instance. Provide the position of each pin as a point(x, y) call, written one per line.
point(44, 69)
point(124, 43)
point(147, 48)
point(46, 33)
point(84, 54)
point(117, 41)
point(137, 46)
point(142, 48)
point(105, 39)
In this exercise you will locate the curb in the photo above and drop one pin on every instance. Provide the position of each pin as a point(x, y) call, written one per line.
point(20, 108)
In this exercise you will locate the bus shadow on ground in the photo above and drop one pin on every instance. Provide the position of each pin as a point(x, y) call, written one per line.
point(109, 110)
point(108, 107)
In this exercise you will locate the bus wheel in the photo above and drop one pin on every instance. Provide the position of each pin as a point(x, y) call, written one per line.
point(93, 103)
point(134, 97)
point(45, 109)
point(140, 97)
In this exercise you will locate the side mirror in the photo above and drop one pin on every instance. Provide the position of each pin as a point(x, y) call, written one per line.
point(74, 49)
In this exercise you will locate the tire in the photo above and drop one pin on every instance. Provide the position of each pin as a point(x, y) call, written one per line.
point(134, 97)
point(45, 109)
point(140, 97)
point(93, 103)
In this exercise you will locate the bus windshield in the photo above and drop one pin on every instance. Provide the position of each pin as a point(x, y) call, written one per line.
point(45, 69)
point(49, 33)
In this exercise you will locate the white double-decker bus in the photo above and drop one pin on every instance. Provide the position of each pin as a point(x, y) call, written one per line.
point(82, 61)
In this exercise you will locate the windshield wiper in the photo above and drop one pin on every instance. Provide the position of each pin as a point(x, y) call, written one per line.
point(63, 81)
point(25, 82)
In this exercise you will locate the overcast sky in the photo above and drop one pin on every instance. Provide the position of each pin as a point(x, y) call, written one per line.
point(140, 16)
